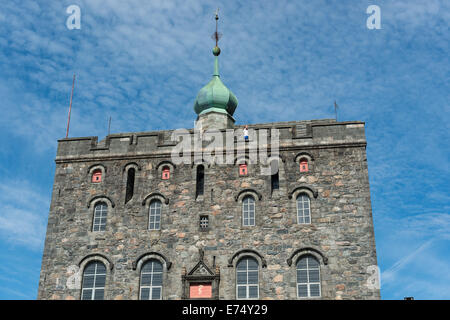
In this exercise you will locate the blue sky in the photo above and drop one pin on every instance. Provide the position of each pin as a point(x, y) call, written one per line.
point(143, 62)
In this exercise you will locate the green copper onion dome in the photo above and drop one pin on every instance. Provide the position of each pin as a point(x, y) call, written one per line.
point(215, 96)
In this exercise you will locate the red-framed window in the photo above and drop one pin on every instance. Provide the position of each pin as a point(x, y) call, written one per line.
point(243, 170)
point(97, 176)
point(166, 173)
point(303, 165)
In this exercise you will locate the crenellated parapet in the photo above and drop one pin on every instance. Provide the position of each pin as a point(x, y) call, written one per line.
point(292, 135)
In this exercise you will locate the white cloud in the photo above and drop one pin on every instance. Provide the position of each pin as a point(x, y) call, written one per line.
point(23, 215)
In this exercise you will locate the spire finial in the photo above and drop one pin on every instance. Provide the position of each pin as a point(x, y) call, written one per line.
point(216, 35)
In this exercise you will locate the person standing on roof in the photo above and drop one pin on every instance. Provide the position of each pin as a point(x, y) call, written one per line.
point(246, 133)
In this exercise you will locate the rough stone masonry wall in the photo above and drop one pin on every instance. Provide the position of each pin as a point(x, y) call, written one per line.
point(341, 234)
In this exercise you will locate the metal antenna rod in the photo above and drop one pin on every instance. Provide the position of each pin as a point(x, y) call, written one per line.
point(335, 109)
point(70, 107)
point(109, 125)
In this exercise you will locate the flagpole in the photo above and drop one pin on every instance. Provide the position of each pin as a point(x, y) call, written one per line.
point(70, 107)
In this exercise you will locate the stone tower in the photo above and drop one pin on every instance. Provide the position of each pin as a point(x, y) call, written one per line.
point(127, 221)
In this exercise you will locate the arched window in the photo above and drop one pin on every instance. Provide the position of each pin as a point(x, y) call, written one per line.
point(155, 215)
point(200, 180)
point(94, 278)
point(303, 209)
point(247, 279)
point(308, 277)
point(165, 173)
point(97, 176)
point(100, 213)
point(248, 211)
point(303, 165)
point(130, 184)
point(151, 280)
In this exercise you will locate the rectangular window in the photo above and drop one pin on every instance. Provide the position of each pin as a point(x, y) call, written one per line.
point(204, 222)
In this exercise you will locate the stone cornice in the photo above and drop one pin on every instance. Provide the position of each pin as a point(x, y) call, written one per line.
point(155, 155)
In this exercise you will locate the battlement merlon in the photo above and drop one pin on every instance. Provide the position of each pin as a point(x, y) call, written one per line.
point(293, 135)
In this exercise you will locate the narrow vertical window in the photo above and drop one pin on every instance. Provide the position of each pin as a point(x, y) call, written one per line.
point(97, 176)
point(247, 284)
point(130, 185)
point(155, 215)
point(303, 209)
point(100, 213)
point(303, 165)
point(200, 180)
point(93, 284)
point(248, 211)
point(275, 178)
point(151, 280)
point(308, 277)
point(166, 173)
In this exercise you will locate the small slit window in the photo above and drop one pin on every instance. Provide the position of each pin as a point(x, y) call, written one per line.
point(97, 176)
point(275, 178)
point(130, 185)
point(200, 180)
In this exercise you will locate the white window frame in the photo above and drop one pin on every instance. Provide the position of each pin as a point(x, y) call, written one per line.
point(247, 291)
point(246, 211)
point(303, 196)
point(94, 288)
point(98, 214)
point(151, 287)
point(153, 212)
point(308, 283)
